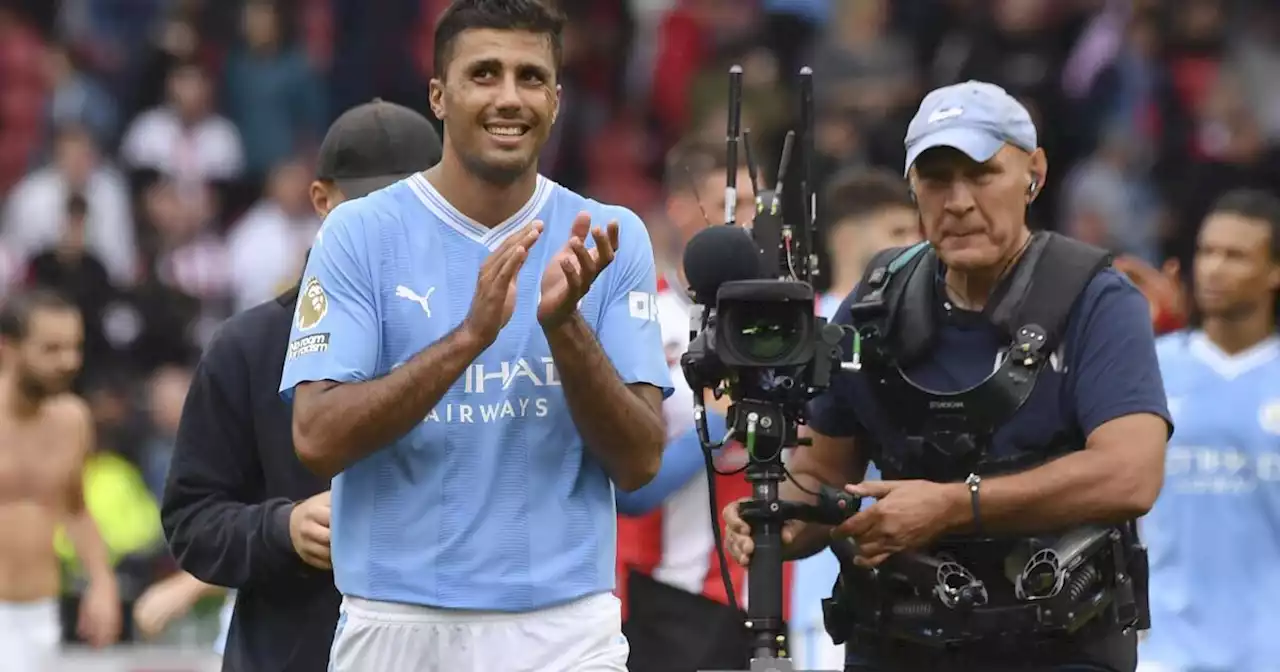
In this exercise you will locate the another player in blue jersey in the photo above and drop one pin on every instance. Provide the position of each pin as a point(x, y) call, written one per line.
point(476, 359)
point(1214, 533)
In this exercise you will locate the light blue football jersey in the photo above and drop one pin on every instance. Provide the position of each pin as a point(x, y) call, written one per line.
point(491, 503)
point(1214, 533)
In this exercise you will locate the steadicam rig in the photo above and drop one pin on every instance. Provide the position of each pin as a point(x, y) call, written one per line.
point(756, 338)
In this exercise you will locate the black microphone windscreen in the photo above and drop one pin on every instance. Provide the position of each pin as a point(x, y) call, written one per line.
point(719, 254)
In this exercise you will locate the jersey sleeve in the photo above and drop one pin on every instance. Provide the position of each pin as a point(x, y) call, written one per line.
point(630, 331)
point(834, 412)
point(1114, 368)
point(336, 326)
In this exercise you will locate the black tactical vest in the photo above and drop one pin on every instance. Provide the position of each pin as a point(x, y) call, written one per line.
point(895, 312)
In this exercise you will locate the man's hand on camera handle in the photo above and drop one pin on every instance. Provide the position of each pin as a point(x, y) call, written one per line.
point(737, 534)
point(907, 515)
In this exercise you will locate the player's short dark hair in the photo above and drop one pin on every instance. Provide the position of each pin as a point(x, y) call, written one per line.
point(16, 312)
point(691, 161)
point(77, 205)
point(857, 193)
point(534, 16)
point(1254, 204)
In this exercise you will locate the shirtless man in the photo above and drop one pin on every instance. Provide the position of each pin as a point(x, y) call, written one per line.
point(45, 435)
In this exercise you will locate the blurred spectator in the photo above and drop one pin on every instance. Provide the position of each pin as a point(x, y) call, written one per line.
point(166, 393)
point(1230, 153)
point(174, 40)
point(267, 246)
point(1257, 60)
point(864, 68)
point(22, 89)
point(764, 112)
point(272, 95)
point(686, 39)
point(1110, 201)
point(76, 97)
point(70, 268)
point(188, 255)
point(184, 139)
point(111, 35)
point(35, 211)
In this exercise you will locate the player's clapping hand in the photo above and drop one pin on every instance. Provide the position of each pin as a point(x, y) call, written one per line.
point(907, 515)
point(100, 614)
point(573, 269)
point(309, 530)
point(495, 298)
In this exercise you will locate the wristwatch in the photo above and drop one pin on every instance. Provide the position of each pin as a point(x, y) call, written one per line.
point(973, 483)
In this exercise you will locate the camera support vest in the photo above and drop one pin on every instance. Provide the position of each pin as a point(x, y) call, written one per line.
point(895, 312)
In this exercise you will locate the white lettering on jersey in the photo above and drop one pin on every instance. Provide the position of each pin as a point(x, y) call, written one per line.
point(1219, 470)
point(517, 374)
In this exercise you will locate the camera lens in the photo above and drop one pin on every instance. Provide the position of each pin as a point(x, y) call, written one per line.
point(766, 333)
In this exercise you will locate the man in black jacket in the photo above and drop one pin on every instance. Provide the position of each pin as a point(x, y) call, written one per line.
point(239, 510)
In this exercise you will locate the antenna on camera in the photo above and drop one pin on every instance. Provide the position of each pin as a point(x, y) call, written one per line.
point(731, 145)
point(809, 262)
point(751, 164)
point(788, 146)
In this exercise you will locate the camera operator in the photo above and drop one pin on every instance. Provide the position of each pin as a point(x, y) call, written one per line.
point(1065, 438)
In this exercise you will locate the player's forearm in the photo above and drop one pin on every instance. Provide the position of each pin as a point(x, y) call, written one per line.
point(682, 461)
point(809, 537)
point(617, 426)
point(1084, 487)
point(339, 424)
point(91, 551)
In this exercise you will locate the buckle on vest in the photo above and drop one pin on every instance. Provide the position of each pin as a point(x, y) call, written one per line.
point(1029, 344)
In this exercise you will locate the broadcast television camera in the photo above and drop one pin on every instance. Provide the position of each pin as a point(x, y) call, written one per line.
point(756, 337)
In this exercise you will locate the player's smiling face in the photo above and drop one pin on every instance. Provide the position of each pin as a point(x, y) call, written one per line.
point(498, 100)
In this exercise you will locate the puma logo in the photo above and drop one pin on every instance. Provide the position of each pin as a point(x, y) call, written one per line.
point(406, 293)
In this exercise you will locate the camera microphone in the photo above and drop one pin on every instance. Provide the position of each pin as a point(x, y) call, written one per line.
point(717, 255)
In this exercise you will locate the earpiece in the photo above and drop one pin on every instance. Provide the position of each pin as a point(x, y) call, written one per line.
point(1031, 188)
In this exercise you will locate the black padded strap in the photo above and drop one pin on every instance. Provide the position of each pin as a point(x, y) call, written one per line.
point(916, 326)
point(884, 291)
point(1044, 286)
point(877, 272)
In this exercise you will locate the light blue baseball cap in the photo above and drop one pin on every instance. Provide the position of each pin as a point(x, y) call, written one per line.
point(974, 117)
